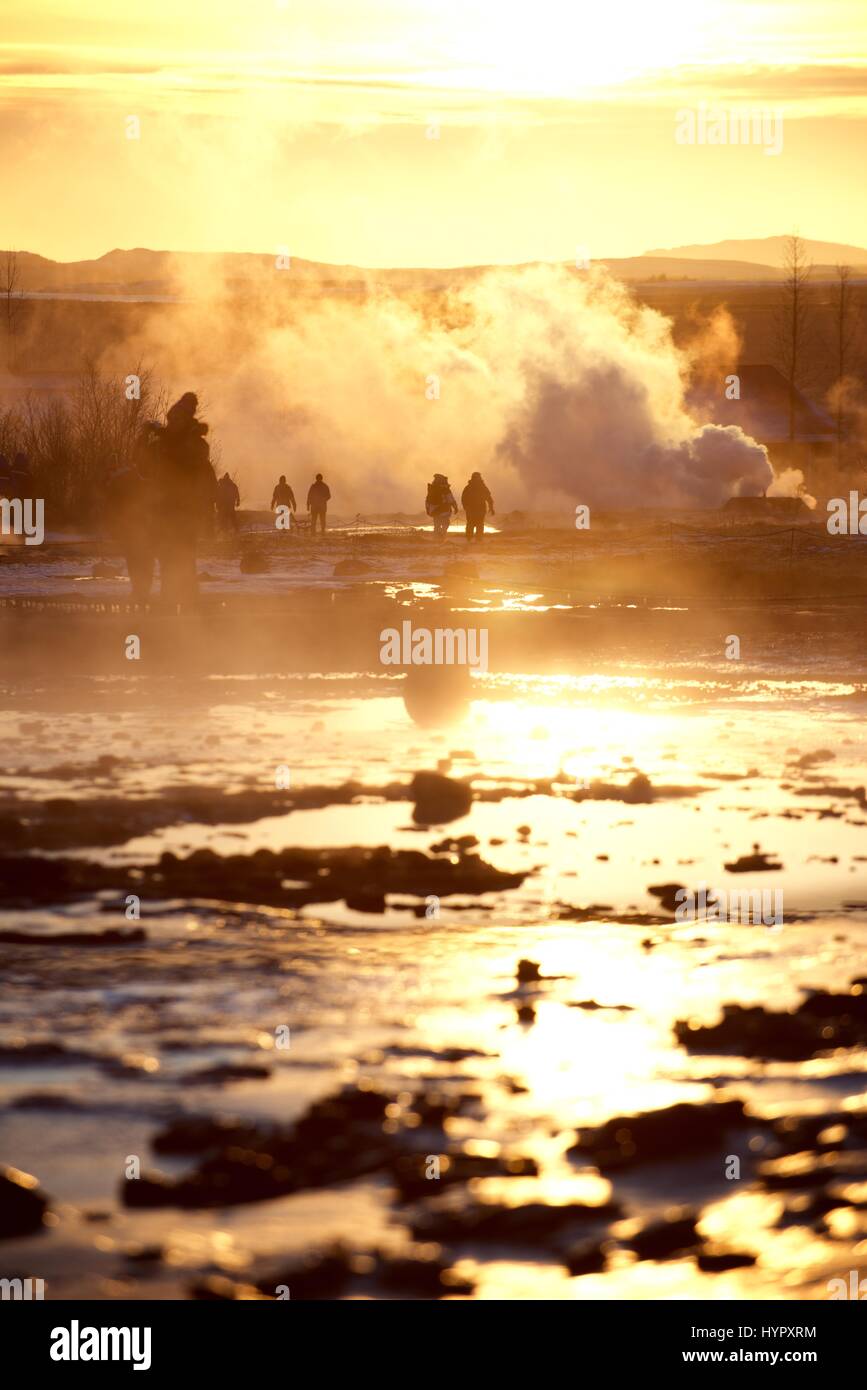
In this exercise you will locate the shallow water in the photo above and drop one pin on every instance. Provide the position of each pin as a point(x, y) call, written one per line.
point(384, 996)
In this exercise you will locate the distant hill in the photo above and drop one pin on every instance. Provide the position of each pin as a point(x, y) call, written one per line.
point(142, 272)
point(769, 251)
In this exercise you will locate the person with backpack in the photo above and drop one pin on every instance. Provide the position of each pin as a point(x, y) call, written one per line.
point(440, 504)
point(318, 498)
point(476, 500)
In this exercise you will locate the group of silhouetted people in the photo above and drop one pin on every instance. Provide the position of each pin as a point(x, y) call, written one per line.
point(476, 501)
point(168, 497)
point(318, 497)
point(161, 504)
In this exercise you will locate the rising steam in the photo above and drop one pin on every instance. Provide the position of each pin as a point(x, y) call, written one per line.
point(559, 387)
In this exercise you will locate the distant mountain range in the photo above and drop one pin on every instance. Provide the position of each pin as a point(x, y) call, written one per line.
point(142, 272)
point(768, 251)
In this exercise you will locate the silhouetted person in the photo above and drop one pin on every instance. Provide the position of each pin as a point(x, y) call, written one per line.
point(440, 504)
point(184, 494)
point(283, 496)
point(476, 500)
point(317, 502)
point(228, 500)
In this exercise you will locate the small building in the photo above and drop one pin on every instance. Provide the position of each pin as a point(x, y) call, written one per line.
point(762, 409)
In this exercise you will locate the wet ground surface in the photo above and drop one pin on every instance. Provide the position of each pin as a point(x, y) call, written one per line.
point(283, 1012)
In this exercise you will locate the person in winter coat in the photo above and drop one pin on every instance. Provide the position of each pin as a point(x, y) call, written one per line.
point(184, 491)
point(283, 496)
point(476, 500)
point(228, 501)
point(318, 498)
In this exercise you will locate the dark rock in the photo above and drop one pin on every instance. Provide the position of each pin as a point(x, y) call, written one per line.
point(366, 902)
point(807, 760)
point(420, 1272)
point(657, 1240)
point(821, 1133)
point(528, 971)
point(224, 1073)
point(638, 792)
point(410, 1171)
point(667, 894)
point(460, 845)
point(457, 1217)
point(591, 1006)
point(822, 1023)
point(323, 875)
point(757, 862)
point(317, 1275)
point(45, 1100)
point(438, 798)
point(435, 1054)
point(120, 936)
point(668, 1134)
point(196, 1135)
point(822, 1004)
point(22, 1203)
point(587, 1257)
point(144, 1254)
point(422, 1275)
point(337, 1139)
point(37, 1054)
point(717, 1262)
point(351, 566)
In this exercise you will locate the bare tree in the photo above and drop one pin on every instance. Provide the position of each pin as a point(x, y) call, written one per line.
point(794, 321)
point(847, 322)
point(12, 298)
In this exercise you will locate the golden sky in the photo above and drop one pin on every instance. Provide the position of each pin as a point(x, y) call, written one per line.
point(308, 124)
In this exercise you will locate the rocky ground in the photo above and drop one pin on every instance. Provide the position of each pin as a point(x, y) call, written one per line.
point(420, 1019)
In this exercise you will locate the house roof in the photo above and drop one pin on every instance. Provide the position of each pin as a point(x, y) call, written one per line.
point(763, 408)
